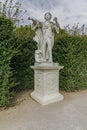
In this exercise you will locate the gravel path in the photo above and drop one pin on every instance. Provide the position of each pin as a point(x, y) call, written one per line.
point(69, 114)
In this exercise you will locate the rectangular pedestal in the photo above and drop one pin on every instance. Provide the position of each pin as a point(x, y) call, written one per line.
point(46, 81)
point(47, 99)
point(46, 89)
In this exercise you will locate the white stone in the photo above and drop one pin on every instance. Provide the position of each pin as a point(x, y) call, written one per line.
point(46, 89)
point(46, 73)
point(44, 36)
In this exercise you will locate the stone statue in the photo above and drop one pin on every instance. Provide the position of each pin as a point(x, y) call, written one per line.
point(46, 73)
point(44, 36)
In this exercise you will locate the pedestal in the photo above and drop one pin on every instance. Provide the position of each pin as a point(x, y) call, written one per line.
point(46, 79)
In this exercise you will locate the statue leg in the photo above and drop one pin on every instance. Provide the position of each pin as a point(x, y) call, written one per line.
point(44, 50)
point(49, 51)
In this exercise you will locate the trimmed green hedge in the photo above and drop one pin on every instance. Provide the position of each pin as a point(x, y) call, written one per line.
point(22, 65)
point(22, 62)
point(6, 53)
point(70, 51)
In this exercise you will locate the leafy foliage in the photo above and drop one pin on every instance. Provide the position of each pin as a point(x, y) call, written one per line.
point(71, 51)
point(21, 63)
point(10, 14)
point(6, 53)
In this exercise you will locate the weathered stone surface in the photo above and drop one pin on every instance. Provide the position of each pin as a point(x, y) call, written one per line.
point(44, 36)
point(46, 73)
point(46, 89)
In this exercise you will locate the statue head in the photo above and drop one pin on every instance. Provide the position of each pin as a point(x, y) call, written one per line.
point(48, 16)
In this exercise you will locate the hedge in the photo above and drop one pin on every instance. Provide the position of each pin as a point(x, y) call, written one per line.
point(23, 37)
point(69, 50)
point(17, 55)
point(6, 53)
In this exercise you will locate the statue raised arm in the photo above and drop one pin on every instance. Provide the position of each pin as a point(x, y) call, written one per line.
point(56, 25)
point(36, 23)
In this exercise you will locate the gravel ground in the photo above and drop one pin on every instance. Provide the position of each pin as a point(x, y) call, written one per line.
point(27, 114)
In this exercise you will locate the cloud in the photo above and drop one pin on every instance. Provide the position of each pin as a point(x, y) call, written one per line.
point(67, 11)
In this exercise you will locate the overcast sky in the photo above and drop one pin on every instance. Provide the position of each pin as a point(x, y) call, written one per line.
point(67, 11)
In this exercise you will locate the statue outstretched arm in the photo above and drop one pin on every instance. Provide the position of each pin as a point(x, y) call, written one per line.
point(36, 23)
point(33, 20)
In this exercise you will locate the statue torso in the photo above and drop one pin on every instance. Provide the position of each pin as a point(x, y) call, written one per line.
point(47, 29)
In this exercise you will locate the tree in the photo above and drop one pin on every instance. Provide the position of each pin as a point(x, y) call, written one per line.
point(12, 10)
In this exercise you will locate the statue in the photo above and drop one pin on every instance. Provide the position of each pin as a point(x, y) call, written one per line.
point(44, 36)
point(46, 73)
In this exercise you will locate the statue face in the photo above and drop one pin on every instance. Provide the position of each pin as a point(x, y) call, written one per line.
point(48, 16)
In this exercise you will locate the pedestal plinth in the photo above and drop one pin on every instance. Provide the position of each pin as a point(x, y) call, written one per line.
point(46, 87)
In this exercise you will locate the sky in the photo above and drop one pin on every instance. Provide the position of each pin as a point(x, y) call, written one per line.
point(67, 11)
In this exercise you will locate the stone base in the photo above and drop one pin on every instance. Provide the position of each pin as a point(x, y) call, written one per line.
point(45, 100)
point(46, 87)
